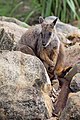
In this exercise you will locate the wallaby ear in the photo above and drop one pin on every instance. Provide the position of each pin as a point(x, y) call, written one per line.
point(41, 19)
point(54, 23)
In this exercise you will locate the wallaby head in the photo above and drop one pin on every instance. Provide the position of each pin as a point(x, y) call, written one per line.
point(48, 31)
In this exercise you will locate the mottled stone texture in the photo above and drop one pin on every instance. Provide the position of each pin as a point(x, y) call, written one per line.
point(75, 83)
point(6, 40)
point(22, 81)
point(72, 109)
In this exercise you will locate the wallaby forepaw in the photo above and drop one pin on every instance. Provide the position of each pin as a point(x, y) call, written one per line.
point(51, 69)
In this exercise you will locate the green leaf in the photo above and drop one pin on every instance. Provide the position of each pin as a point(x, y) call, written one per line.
point(48, 8)
point(72, 6)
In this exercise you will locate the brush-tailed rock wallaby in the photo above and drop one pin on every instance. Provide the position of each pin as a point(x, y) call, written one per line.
point(42, 41)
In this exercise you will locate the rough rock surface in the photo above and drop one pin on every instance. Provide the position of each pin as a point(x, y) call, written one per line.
point(72, 109)
point(13, 29)
point(72, 55)
point(14, 20)
point(24, 88)
point(6, 40)
point(75, 83)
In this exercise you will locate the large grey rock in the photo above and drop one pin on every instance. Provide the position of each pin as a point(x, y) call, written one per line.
point(72, 55)
point(72, 109)
point(75, 83)
point(14, 29)
point(13, 20)
point(10, 34)
point(24, 88)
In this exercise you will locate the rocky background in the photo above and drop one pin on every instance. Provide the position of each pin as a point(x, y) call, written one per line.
point(25, 88)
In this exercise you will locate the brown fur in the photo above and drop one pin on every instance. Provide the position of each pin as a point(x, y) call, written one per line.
point(39, 40)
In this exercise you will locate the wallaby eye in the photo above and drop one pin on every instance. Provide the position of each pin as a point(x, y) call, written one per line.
point(49, 33)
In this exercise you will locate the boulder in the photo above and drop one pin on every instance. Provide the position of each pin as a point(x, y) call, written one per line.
point(10, 33)
point(12, 28)
point(75, 83)
point(72, 109)
point(13, 20)
point(72, 55)
point(24, 88)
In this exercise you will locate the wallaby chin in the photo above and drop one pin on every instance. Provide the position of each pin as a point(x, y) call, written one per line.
point(46, 45)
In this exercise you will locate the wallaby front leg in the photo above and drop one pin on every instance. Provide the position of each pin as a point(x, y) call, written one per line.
point(54, 56)
point(46, 59)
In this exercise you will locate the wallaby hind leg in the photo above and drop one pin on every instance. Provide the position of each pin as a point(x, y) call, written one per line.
point(25, 49)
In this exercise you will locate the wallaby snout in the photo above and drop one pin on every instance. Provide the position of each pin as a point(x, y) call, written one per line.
point(43, 44)
point(45, 38)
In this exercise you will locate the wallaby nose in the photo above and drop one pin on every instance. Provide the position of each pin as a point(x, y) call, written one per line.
point(43, 43)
